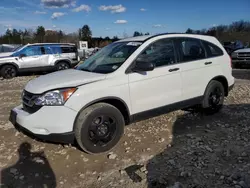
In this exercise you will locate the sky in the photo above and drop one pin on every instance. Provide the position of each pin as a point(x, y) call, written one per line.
point(121, 17)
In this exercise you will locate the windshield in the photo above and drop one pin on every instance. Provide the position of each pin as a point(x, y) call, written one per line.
point(109, 58)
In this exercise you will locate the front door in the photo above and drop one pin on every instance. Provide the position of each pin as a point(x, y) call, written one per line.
point(30, 57)
point(160, 87)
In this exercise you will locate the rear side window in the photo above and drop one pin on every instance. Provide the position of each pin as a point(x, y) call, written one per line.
point(212, 49)
point(68, 49)
point(56, 49)
point(190, 49)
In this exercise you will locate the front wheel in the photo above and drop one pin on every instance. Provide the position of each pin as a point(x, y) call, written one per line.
point(99, 128)
point(213, 98)
point(8, 71)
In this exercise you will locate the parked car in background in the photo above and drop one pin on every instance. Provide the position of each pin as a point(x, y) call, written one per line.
point(39, 57)
point(241, 58)
point(230, 47)
point(8, 47)
point(126, 81)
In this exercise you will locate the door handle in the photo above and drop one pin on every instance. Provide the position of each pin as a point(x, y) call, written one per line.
point(208, 63)
point(172, 70)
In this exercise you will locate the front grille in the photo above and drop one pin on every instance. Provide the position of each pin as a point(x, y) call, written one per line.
point(244, 55)
point(28, 102)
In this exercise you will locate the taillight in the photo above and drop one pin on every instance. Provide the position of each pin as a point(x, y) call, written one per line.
point(231, 61)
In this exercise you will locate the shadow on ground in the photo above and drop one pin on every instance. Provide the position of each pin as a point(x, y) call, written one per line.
point(31, 170)
point(203, 150)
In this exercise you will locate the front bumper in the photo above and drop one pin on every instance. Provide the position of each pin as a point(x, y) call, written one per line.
point(50, 123)
point(241, 61)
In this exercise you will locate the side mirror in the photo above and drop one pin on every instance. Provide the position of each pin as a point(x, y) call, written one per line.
point(143, 66)
point(22, 55)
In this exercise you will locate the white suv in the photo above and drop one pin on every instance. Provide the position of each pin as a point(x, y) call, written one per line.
point(38, 57)
point(126, 81)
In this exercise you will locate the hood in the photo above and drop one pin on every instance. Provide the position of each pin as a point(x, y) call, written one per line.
point(62, 79)
point(243, 50)
point(5, 54)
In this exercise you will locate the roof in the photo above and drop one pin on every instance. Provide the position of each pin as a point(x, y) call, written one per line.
point(50, 44)
point(146, 37)
point(139, 38)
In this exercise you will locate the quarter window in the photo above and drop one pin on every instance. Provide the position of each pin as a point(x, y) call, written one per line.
point(212, 50)
point(190, 49)
point(159, 53)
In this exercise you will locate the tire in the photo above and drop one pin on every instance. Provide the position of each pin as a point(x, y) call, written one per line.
point(213, 98)
point(101, 122)
point(8, 71)
point(62, 66)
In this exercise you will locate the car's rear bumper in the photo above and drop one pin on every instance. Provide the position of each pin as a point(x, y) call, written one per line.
point(230, 87)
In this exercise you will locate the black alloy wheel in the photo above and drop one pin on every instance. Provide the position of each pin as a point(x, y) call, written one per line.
point(102, 129)
point(99, 128)
point(8, 71)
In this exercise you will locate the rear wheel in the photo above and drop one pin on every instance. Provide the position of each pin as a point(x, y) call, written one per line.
point(213, 98)
point(62, 66)
point(8, 71)
point(99, 128)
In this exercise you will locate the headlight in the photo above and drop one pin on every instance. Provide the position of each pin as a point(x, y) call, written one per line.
point(55, 98)
point(234, 54)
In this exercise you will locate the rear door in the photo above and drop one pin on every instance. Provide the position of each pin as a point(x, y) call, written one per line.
point(45, 57)
point(197, 68)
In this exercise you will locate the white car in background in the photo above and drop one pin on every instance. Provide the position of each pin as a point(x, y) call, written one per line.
point(38, 57)
point(152, 75)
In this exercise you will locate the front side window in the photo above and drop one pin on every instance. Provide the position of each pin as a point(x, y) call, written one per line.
point(190, 49)
point(160, 53)
point(31, 51)
point(109, 58)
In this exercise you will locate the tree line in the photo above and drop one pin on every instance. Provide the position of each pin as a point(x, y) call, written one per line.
point(41, 35)
point(239, 30)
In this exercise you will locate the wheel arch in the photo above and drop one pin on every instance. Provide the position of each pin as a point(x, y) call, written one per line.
point(223, 80)
point(63, 60)
point(10, 63)
point(114, 101)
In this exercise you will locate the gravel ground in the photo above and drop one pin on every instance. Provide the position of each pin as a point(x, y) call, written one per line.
point(178, 149)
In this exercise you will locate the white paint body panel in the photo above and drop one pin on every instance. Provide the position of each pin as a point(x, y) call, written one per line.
point(154, 89)
point(54, 119)
point(140, 92)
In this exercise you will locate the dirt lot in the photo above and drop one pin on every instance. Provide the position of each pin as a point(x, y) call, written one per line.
point(174, 150)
